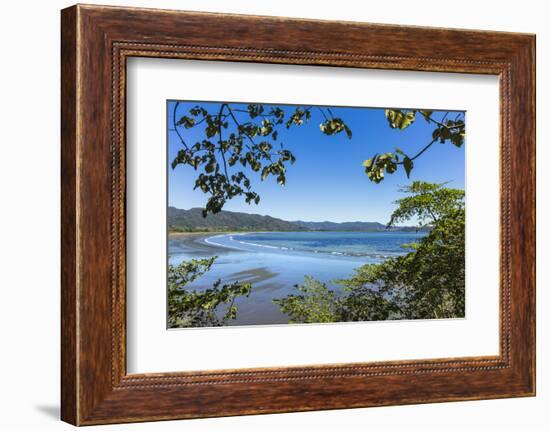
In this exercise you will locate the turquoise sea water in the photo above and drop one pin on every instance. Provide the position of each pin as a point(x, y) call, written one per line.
point(275, 261)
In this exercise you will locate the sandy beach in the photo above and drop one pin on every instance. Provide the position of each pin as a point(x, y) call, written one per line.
point(274, 262)
point(195, 240)
point(194, 244)
point(273, 273)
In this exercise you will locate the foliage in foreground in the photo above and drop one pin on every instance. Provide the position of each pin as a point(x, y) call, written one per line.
point(446, 130)
point(200, 308)
point(426, 283)
point(238, 140)
point(315, 303)
point(239, 143)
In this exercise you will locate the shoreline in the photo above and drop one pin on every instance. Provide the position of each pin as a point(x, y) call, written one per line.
point(197, 241)
point(273, 275)
point(172, 235)
point(201, 242)
point(207, 234)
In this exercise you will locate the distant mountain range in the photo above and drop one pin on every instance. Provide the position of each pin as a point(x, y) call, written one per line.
point(351, 226)
point(348, 225)
point(191, 220)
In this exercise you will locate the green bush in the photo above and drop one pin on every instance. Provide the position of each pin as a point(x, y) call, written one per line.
point(426, 283)
point(315, 303)
point(200, 308)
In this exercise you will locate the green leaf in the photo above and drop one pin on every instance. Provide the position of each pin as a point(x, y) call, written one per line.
point(400, 119)
point(369, 163)
point(209, 168)
point(334, 126)
point(211, 130)
point(348, 131)
point(426, 115)
point(265, 173)
point(408, 165)
point(187, 122)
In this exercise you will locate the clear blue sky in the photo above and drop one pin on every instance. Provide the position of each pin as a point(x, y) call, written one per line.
point(327, 182)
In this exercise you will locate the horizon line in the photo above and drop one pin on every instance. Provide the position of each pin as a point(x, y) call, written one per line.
point(287, 220)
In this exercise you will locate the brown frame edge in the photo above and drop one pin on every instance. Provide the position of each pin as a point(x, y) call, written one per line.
point(95, 43)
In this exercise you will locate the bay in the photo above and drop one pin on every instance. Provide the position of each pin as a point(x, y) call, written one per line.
point(273, 262)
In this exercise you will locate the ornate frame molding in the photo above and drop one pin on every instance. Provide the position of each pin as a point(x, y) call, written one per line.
point(96, 41)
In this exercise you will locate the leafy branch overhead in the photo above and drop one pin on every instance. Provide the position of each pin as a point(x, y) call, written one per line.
point(240, 142)
point(446, 130)
point(236, 139)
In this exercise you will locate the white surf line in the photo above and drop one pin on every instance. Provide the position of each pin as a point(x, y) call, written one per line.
point(257, 245)
point(230, 235)
point(216, 244)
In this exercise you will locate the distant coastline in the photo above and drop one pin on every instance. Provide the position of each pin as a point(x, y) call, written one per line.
point(178, 234)
point(336, 243)
point(275, 262)
point(195, 241)
point(192, 221)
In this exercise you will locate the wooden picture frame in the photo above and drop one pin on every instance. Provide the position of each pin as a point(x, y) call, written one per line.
point(95, 42)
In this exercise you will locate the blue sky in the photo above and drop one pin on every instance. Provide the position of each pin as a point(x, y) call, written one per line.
point(327, 182)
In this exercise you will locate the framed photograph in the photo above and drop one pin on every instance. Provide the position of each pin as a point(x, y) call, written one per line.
point(281, 215)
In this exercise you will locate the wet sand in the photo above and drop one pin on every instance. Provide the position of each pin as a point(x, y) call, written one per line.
point(193, 242)
point(272, 274)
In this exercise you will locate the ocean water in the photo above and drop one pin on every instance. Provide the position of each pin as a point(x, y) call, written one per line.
point(372, 246)
point(276, 261)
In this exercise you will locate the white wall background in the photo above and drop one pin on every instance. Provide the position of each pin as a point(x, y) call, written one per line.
point(29, 215)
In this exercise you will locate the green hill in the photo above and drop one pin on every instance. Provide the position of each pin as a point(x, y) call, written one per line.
point(192, 220)
point(354, 226)
point(357, 226)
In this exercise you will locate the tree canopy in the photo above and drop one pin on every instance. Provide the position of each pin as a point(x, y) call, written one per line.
point(446, 130)
point(237, 141)
point(241, 144)
point(426, 283)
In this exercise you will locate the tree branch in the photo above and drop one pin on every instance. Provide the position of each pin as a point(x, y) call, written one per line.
point(237, 123)
point(259, 115)
point(322, 112)
point(434, 218)
point(421, 151)
point(176, 127)
point(441, 124)
point(222, 151)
